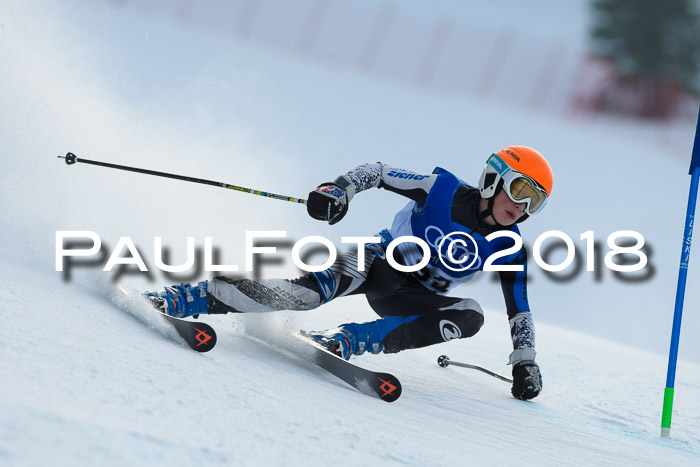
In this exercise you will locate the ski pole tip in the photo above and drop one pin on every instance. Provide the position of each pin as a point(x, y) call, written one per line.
point(443, 360)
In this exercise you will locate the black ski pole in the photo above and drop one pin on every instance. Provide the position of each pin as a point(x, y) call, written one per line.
point(72, 159)
point(444, 360)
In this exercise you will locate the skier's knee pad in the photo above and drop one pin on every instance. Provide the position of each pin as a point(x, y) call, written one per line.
point(467, 315)
point(341, 278)
point(327, 283)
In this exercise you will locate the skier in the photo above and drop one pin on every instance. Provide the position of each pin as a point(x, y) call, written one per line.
point(414, 308)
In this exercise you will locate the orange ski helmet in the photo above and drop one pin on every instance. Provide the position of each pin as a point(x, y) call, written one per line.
point(523, 173)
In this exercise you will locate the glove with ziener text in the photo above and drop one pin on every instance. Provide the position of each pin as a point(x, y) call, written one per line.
point(329, 202)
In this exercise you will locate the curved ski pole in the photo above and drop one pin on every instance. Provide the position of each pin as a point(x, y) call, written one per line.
point(72, 159)
point(444, 361)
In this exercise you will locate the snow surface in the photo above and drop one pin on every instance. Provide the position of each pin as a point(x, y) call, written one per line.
point(87, 383)
point(84, 381)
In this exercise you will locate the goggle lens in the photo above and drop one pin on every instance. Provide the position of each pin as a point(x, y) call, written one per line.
point(522, 189)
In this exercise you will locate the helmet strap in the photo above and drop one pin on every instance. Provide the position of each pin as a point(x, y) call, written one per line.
point(525, 216)
point(489, 209)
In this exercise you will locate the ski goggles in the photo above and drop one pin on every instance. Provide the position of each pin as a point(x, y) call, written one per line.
point(520, 188)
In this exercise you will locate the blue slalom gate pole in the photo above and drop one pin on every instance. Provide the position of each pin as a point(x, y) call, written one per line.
point(680, 290)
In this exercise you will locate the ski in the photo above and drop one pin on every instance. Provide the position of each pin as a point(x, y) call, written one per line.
point(383, 385)
point(199, 336)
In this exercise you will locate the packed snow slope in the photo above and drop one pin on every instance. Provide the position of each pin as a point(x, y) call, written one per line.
point(85, 381)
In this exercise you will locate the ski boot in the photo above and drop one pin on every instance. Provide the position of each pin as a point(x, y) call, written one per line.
point(180, 301)
point(351, 339)
point(354, 339)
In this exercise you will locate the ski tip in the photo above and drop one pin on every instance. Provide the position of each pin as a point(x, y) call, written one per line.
point(201, 337)
point(383, 385)
point(204, 338)
point(388, 387)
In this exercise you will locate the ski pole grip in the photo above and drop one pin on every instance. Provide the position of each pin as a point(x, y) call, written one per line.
point(70, 158)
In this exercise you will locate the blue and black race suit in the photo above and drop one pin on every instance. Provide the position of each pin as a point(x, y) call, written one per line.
point(441, 207)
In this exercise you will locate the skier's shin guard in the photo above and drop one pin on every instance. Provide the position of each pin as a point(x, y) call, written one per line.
point(463, 319)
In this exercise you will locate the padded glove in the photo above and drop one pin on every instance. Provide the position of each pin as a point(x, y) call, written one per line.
point(527, 380)
point(329, 202)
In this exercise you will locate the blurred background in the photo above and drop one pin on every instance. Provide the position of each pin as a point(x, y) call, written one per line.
point(281, 96)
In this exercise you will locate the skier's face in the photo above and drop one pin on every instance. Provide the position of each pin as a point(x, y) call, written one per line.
point(505, 210)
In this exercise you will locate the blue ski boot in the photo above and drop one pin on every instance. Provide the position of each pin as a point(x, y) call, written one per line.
point(354, 338)
point(180, 301)
point(342, 341)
